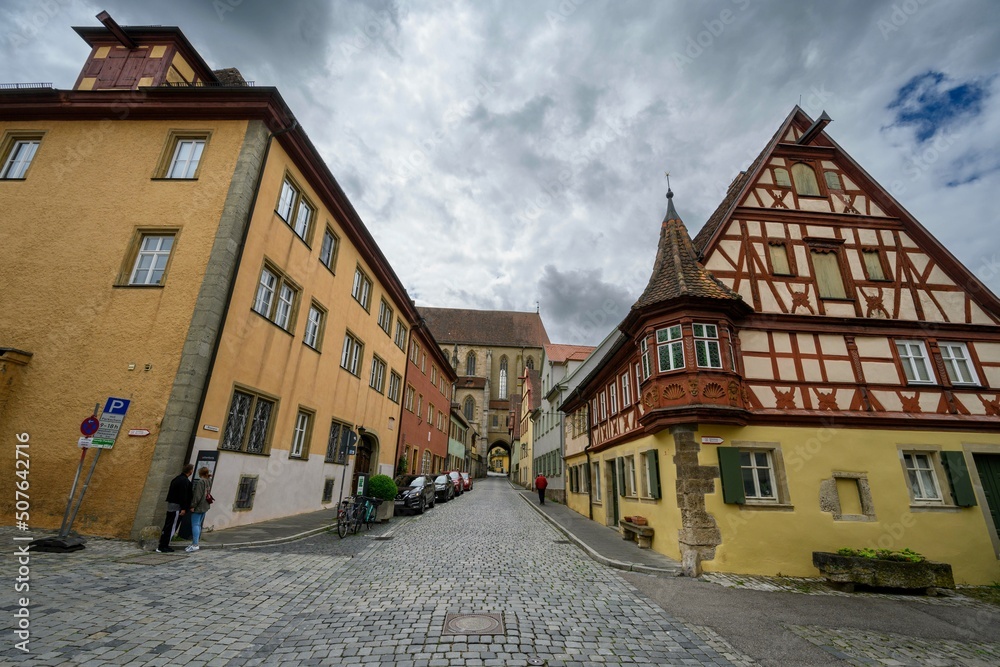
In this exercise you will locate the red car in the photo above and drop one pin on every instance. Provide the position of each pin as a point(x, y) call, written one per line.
point(466, 481)
point(456, 478)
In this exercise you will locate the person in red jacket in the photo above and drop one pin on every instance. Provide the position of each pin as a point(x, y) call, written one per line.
point(540, 484)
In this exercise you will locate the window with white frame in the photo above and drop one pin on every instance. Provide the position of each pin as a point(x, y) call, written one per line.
point(757, 467)
point(350, 357)
point(276, 297)
point(301, 434)
point(186, 157)
point(400, 339)
point(395, 382)
point(596, 477)
point(644, 353)
point(604, 405)
point(377, 379)
point(408, 398)
point(434, 374)
point(362, 288)
point(922, 476)
point(385, 317)
point(17, 158)
point(430, 414)
point(423, 363)
point(328, 249)
point(630, 485)
point(420, 405)
point(314, 326)
point(706, 345)
point(151, 259)
point(626, 390)
point(958, 363)
point(295, 209)
point(248, 424)
point(669, 348)
point(913, 357)
point(613, 397)
point(650, 474)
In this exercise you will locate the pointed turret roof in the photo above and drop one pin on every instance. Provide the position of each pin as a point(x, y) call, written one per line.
point(677, 272)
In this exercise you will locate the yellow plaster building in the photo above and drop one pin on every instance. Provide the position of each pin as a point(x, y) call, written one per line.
point(172, 237)
point(813, 371)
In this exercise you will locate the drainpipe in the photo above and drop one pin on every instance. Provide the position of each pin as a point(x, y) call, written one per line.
point(590, 481)
point(232, 283)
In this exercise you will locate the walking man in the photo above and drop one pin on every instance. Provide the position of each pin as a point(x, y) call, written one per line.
point(178, 502)
point(540, 484)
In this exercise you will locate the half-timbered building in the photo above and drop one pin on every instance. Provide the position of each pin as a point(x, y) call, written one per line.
point(813, 371)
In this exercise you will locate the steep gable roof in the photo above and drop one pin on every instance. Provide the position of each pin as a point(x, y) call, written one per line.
point(502, 328)
point(739, 190)
point(677, 272)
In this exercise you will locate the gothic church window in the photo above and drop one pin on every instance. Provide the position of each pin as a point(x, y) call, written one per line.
point(470, 364)
point(503, 378)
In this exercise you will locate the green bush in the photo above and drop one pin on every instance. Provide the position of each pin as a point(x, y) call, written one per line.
point(382, 486)
point(905, 555)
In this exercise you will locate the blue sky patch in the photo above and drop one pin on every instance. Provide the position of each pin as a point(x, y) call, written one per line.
point(928, 103)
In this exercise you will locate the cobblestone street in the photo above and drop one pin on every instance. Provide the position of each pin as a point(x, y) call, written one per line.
point(357, 601)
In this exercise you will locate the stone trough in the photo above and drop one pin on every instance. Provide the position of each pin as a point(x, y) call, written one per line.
point(844, 572)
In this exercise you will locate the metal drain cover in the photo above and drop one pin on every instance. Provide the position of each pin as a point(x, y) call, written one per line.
point(562, 541)
point(473, 624)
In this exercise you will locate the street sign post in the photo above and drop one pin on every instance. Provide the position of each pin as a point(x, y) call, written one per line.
point(111, 422)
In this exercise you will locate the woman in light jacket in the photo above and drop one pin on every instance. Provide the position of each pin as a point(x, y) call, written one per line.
point(199, 505)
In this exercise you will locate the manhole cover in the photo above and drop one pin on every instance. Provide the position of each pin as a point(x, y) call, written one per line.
point(151, 559)
point(473, 624)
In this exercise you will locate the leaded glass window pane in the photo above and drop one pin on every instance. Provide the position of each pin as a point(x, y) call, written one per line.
point(236, 423)
point(259, 426)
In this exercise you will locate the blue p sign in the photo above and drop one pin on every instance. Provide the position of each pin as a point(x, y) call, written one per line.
point(116, 406)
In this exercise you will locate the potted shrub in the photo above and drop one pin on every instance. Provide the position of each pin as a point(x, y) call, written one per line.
point(884, 568)
point(383, 488)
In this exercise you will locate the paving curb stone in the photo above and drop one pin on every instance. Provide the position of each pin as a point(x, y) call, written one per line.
point(610, 562)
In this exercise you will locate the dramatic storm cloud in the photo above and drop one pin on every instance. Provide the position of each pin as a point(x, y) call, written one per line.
point(508, 154)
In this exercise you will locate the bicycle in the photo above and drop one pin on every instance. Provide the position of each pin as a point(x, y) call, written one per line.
point(355, 511)
point(346, 512)
point(367, 509)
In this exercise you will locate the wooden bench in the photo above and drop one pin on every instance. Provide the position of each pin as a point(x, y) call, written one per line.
point(643, 535)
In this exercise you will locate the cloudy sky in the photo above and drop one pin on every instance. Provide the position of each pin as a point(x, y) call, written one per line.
point(509, 153)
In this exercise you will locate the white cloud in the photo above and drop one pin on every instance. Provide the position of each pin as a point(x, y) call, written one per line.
point(453, 117)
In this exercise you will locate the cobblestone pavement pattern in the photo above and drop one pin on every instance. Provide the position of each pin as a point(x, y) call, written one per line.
point(310, 603)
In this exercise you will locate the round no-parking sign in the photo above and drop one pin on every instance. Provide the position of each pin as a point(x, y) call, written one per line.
point(89, 426)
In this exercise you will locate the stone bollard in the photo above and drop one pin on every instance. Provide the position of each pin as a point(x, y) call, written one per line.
point(149, 538)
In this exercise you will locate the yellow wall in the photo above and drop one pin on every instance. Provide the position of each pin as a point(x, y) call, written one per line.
point(770, 541)
point(773, 540)
point(256, 353)
point(66, 230)
point(578, 502)
point(663, 514)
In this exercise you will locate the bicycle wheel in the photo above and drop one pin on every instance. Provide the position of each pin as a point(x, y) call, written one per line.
point(358, 517)
point(342, 523)
point(370, 514)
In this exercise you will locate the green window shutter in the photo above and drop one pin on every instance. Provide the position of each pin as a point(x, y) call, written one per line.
point(654, 473)
point(732, 476)
point(620, 465)
point(958, 477)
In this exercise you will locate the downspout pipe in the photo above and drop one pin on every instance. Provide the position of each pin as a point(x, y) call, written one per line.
point(232, 283)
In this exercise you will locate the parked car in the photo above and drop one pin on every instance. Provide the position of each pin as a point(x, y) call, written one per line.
point(416, 493)
point(466, 481)
point(456, 479)
point(444, 488)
